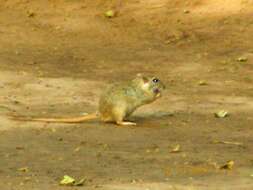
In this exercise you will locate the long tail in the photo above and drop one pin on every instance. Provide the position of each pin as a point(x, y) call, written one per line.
point(79, 119)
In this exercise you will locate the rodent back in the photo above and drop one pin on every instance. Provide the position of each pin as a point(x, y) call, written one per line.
point(132, 94)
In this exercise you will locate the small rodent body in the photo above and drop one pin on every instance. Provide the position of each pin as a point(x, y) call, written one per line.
point(118, 101)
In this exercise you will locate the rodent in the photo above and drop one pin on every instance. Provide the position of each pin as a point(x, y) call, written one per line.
point(118, 101)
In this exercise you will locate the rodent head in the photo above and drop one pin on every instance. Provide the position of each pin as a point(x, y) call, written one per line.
point(151, 85)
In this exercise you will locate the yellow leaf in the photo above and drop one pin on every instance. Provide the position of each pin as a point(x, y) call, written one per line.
point(176, 149)
point(228, 166)
point(24, 169)
point(110, 13)
point(221, 114)
point(67, 180)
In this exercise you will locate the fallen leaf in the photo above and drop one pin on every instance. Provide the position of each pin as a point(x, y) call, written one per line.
point(110, 13)
point(202, 83)
point(80, 182)
point(242, 59)
point(228, 142)
point(67, 180)
point(228, 166)
point(221, 114)
point(176, 149)
point(24, 169)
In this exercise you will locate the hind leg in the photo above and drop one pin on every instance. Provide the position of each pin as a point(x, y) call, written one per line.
point(119, 115)
point(125, 123)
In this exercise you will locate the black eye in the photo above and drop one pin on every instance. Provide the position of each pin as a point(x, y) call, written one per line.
point(155, 80)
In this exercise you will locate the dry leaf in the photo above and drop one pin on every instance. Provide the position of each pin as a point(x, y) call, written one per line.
point(221, 114)
point(67, 180)
point(176, 149)
point(110, 14)
point(24, 169)
point(228, 142)
point(242, 59)
point(202, 83)
point(228, 166)
point(80, 182)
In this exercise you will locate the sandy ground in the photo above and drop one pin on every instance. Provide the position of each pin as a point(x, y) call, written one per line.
point(57, 56)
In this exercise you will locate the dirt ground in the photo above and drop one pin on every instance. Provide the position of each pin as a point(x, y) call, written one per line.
point(57, 56)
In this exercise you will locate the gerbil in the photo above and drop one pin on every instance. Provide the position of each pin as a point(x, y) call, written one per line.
point(118, 102)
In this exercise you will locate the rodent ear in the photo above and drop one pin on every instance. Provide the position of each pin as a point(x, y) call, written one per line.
point(144, 79)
